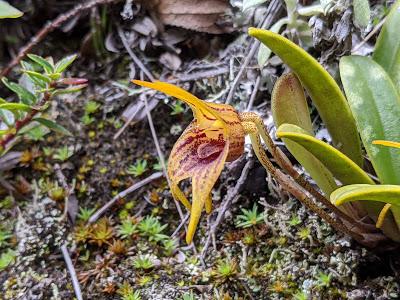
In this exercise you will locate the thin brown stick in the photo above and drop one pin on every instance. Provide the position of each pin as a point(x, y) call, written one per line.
point(122, 194)
point(72, 272)
point(48, 28)
point(371, 34)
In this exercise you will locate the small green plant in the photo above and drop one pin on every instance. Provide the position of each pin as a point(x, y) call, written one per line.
point(151, 228)
point(324, 280)
point(5, 235)
point(226, 269)
point(87, 119)
point(158, 166)
point(91, 107)
point(43, 81)
point(143, 262)
point(169, 246)
point(138, 168)
point(101, 233)
point(177, 108)
point(127, 293)
point(63, 153)
point(304, 233)
point(300, 295)
point(295, 220)
point(85, 213)
point(188, 296)
point(249, 217)
point(7, 258)
point(127, 228)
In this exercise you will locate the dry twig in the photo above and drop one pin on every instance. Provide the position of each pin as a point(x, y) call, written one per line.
point(72, 272)
point(122, 194)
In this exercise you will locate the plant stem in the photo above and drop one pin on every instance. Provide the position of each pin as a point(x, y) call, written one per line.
point(291, 186)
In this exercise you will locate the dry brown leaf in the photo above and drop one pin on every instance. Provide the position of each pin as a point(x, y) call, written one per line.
point(198, 15)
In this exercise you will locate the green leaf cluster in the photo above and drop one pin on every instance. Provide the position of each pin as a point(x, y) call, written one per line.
point(41, 80)
point(370, 110)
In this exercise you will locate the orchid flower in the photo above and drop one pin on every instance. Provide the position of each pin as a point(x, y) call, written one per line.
point(214, 137)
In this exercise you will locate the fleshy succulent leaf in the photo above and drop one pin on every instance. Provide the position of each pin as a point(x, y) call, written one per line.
point(289, 105)
point(375, 104)
point(323, 89)
point(380, 193)
point(387, 47)
point(342, 167)
point(8, 11)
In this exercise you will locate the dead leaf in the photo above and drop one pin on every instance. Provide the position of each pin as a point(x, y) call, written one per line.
point(198, 15)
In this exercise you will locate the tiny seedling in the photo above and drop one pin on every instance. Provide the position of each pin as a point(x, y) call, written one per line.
point(63, 153)
point(7, 258)
point(151, 228)
point(138, 168)
point(304, 233)
point(85, 213)
point(188, 296)
point(324, 280)
point(226, 269)
point(127, 228)
point(177, 109)
point(91, 107)
point(249, 217)
point(143, 262)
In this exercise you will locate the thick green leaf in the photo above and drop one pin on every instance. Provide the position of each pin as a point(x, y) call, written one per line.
point(15, 106)
point(52, 125)
point(289, 105)
point(381, 193)
point(362, 12)
point(64, 63)
point(264, 52)
point(8, 11)
point(376, 107)
point(387, 47)
point(342, 167)
point(48, 67)
point(24, 95)
point(323, 89)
